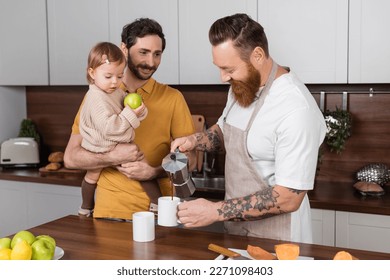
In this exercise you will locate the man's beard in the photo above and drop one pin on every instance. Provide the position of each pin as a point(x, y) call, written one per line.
point(134, 69)
point(245, 91)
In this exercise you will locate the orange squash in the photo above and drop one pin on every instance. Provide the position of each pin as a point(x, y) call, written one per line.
point(259, 253)
point(287, 251)
point(343, 255)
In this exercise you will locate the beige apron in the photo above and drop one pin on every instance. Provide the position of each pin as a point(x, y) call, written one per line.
point(242, 178)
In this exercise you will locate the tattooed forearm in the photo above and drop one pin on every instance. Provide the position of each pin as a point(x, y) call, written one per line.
point(233, 209)
point(265, 199)
point(209, 141)
point(214, 140)
point(201, 143)
point(260, 205)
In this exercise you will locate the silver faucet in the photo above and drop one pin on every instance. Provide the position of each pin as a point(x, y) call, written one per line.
point(206, 168)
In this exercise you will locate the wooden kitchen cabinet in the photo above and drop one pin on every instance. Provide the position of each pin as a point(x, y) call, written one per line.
point(311, 37)
point(23, 48)
point(25, 205)
point(74, 27)
point(195, 19)
point(369, 46)
point(122, 12)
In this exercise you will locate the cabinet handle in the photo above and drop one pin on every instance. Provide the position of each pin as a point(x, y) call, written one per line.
point(322, 101)
point(345, 100)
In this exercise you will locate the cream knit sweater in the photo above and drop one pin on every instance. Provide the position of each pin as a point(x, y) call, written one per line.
point(105, 122)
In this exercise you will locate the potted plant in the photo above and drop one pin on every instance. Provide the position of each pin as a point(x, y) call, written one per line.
point(28, 129)
point(338, 129)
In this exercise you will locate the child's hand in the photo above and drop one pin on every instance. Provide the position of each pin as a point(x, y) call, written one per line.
point(140, 111)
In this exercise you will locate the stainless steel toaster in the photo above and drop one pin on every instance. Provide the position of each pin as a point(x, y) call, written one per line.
point(19, 152)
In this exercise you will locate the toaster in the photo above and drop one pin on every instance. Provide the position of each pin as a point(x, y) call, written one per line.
point(19, 152)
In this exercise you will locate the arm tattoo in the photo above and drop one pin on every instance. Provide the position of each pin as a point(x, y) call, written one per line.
point(296, 191)
point(260, 205)
point(209, 141)
point(215, 141)
point(201, 146)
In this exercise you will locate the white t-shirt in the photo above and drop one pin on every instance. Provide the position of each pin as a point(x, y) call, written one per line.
point(284, 140)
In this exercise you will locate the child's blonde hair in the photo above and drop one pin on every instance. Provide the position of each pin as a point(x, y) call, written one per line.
point(104, 52)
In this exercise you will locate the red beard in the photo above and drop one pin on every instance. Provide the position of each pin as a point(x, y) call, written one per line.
point(245, 91)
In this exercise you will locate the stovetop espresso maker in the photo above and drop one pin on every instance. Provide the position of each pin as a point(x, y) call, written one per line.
point(176, 165)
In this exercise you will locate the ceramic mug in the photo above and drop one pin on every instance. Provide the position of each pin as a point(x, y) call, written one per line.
point(143, 226)
point(167, 211)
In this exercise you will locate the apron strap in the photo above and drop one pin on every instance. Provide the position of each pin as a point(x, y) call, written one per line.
point(263, 94)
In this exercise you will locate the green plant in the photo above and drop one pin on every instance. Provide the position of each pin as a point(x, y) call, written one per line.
point(338, 129)
point(28, 129)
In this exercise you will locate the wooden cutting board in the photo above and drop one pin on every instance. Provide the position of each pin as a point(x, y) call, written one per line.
point(62, 170)
point(199, 122)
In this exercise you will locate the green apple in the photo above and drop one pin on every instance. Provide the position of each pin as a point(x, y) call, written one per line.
point(5, 243)
point(42, 249)
point(48, 238)
point(133, 100)
point(22, 235)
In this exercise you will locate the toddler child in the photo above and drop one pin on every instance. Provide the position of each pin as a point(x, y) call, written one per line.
point(104, 120)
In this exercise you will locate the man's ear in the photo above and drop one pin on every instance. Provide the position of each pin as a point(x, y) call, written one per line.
point(258, 55)
point(124, 49)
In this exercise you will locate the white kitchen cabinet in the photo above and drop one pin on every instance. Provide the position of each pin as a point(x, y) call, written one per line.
point(323, 225)
point(195, 19)
point(74, 27)
point(363, 231)
point(26, 205)
point(23, 48)
point(351, 230)
point(369, 46)
point(311, 37)
point(165, 12)
point(324, 41)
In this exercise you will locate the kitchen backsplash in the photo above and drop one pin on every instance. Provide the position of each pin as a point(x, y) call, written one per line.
point(53, 110)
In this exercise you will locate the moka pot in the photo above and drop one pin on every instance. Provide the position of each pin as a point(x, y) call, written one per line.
point(176, 166)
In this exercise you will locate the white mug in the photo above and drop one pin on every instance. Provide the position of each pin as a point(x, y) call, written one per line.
point(167, 211)
point(143, 226)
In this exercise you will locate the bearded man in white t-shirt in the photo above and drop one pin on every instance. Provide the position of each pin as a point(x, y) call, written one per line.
point(271, 130)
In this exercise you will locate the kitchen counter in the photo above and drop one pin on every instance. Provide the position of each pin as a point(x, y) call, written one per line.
point(33, 175)
point(94, 239)
point(343, 197)
point(326, 195)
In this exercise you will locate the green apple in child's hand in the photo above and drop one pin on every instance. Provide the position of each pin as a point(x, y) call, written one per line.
point(5, 243)
point(42, 249)
point(133, 100)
